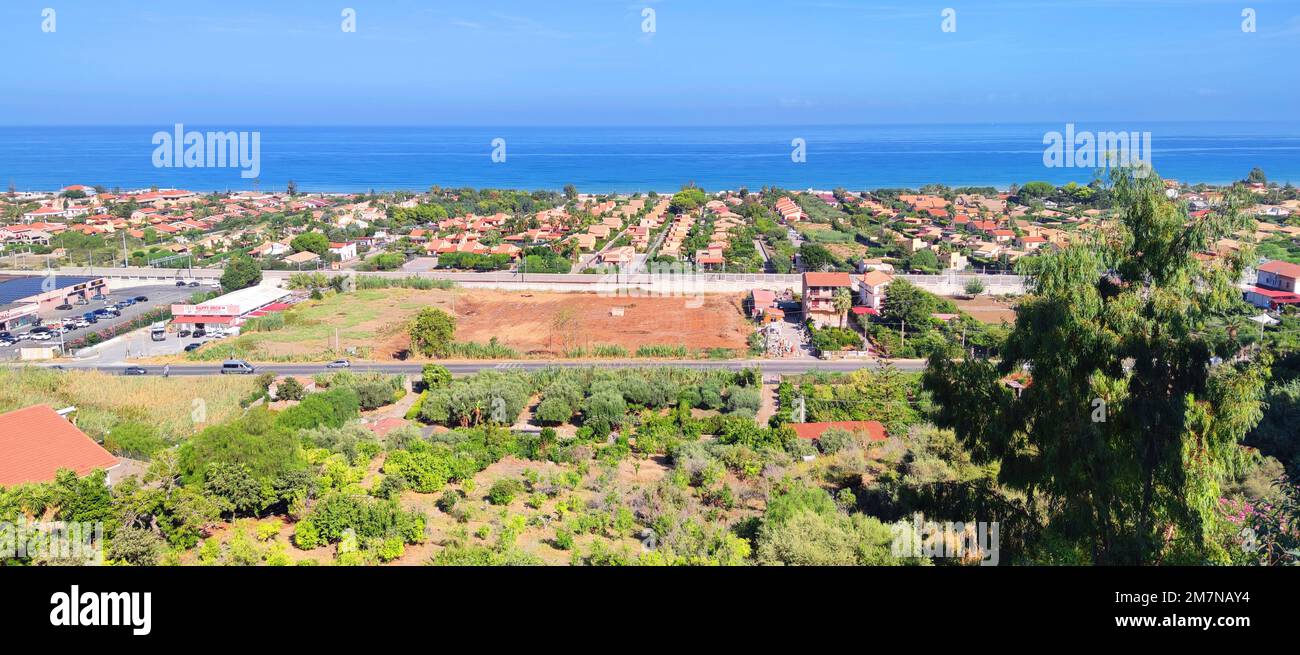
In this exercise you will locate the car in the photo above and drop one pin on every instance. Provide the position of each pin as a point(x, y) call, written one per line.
point(339, 363)
point(90, 317)
point(198, 332)
point(195, 283)
point(6, 335)
point(64, 307)
point(41, 336)
point(81, 301)
point(193, 346)
point(237, 366)
point(140, 299)
point(134, 370)
point(180, 283)
point(183, 333)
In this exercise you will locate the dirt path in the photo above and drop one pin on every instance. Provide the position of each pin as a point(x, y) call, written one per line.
point(768, 407)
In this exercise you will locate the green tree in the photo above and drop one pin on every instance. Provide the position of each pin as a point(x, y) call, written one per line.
point(432, 332)
point(435, 376)
point(925, 261)
point(974, 286)
point(311, 242)
point(907, 303)
point(1121, 438)
point(241, 272)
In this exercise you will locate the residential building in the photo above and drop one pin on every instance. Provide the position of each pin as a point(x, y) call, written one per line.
point(818, 296)
point(872, 288)
point(35, 442)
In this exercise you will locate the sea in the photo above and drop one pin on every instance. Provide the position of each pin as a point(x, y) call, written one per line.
point(627, 159)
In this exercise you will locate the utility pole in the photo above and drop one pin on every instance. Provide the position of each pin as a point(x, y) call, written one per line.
point(125, 262)
point(902, 332)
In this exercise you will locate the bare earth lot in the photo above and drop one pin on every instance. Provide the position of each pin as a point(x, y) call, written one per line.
point(534, 323)
point(550, 323)
point(987, 310)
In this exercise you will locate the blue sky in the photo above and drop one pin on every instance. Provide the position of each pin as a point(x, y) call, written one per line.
point(587, 62)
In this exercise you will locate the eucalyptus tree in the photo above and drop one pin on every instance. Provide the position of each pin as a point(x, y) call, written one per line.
point(1110, 409)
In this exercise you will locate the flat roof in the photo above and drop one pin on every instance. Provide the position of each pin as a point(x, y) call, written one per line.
point(245, 300)
point(15, 288)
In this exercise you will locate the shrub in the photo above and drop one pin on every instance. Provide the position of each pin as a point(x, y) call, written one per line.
point(743, 398)
point(135, 440)
point(606, 408)
point(504, 490)
point(554, 410)
point(290, 389)
point(435, 376)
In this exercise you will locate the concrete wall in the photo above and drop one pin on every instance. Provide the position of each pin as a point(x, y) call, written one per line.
point(619, 284)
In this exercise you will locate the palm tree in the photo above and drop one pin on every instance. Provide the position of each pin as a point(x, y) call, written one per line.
point(843, 302)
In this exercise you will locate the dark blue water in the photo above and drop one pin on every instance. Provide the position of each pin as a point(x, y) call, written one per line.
point(634, 158)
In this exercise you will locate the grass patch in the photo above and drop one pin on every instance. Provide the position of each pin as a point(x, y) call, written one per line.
point(104, 401)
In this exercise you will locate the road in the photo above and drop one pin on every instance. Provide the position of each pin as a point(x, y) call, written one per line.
point(772, 366)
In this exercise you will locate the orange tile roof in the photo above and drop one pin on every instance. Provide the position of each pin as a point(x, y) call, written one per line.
point(875, 431)
point(35, 442)
point(827, 279)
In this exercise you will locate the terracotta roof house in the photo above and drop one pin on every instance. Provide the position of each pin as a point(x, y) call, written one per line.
point(35, 442)
point(818, 296)
point(872, 288)
point(1278, 275)
point(874, 430)
point(383, 426)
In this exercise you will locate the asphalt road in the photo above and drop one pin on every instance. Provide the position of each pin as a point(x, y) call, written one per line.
point(774, 366)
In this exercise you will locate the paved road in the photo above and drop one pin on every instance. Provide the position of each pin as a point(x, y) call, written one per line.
point(773, 366)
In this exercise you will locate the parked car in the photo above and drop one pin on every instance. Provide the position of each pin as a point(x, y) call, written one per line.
point(339, 363)
point(194, 346)
point(180, 283)
point(198, 332)
point(237, 366)
point(64, 307)
point(81, 301)
point(90, 317)
point(140, 299)
point(194, 283)
point(183, 333)
point(134, 370)
point(99, 296)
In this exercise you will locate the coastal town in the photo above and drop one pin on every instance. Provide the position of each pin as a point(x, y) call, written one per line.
point(507, 373)
point(819, 262)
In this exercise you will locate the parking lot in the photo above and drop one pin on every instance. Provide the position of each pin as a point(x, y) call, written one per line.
point(158, 296)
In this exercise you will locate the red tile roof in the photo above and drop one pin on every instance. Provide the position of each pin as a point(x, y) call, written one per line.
point(875, 431)
point(1282, 268)
point(35, 442)
point(827, 279)
point(385, 425)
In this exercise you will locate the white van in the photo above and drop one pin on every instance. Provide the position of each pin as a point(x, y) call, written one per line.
point(237, 366)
